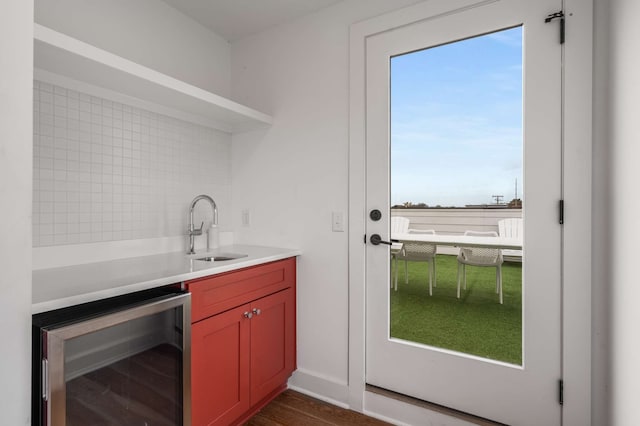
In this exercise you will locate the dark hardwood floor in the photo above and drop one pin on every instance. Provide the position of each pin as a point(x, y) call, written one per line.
point(295, 409)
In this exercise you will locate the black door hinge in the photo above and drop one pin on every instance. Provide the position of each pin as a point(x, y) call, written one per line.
point(365, 238)
point(560, 391)
point(561, 211)
point(557, 15)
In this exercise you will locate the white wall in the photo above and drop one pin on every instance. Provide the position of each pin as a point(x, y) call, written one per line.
point(616, 372)
point(293, 175)
point(623, 137)
point(601, 268)
point(149, 32)
point(16, 74)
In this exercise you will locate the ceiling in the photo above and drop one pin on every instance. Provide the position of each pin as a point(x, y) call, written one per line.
point(235, 19)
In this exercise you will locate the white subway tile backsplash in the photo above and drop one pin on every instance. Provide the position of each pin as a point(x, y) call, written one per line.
point(45, 97)
point(106, 171)
point(60, 239)
point(46, 112)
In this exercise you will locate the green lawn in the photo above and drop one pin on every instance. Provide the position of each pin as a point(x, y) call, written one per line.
point(475, 324)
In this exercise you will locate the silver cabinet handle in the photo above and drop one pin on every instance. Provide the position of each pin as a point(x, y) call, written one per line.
point(256, 311)
point(247, 315)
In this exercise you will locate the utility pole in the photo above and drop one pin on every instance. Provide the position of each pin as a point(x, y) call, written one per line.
point(498, 198)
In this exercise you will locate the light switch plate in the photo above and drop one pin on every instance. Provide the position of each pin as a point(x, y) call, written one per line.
point(246, 218)
point(337, 222)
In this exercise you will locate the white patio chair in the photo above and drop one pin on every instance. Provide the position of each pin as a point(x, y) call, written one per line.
point(396, 249)
point(418, 251)
point(511, 228)
point(480, 256)
point(399, 225)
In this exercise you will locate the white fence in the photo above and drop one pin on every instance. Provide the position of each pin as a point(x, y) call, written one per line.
point(456, 221)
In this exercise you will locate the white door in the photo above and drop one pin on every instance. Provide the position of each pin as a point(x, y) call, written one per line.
point(518, 389)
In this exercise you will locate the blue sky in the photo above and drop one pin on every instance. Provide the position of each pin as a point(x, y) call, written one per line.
point(456, 121)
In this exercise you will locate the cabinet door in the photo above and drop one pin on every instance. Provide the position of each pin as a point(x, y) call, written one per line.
point(273, 345)
point(220, 367)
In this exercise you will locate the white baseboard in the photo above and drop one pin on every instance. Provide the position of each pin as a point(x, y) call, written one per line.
point(320, 387)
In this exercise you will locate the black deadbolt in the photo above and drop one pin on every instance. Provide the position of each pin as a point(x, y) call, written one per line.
point(375, 215)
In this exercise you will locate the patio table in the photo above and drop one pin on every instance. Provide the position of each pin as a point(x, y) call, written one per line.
point(461, 240)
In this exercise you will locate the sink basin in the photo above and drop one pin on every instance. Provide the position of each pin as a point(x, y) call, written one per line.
point(221, 257)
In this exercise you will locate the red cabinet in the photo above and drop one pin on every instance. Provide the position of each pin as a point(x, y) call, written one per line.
point(220, 368)
point(242, 341)
point(272, 335)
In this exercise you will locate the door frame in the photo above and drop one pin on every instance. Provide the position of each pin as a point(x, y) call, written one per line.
point(577, 172)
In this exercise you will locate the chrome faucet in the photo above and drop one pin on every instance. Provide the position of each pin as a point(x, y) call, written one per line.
point(192, 232)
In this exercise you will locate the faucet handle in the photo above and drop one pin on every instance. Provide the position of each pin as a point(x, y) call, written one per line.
point(196, 231)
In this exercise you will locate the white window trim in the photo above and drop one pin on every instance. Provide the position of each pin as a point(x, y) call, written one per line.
point(577, 171)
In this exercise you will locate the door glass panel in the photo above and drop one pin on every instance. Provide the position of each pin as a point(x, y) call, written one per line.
point(456, 168)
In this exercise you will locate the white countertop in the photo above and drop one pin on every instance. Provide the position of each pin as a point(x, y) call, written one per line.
point(71, 285)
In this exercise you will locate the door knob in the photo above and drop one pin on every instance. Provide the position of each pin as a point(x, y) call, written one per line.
point(376, 239)
point(256, 311)
point(247, 315)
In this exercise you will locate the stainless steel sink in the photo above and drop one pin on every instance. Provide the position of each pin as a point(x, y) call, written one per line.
point(221, 257)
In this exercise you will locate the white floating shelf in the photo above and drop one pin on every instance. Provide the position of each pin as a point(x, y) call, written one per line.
point(62, 55)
